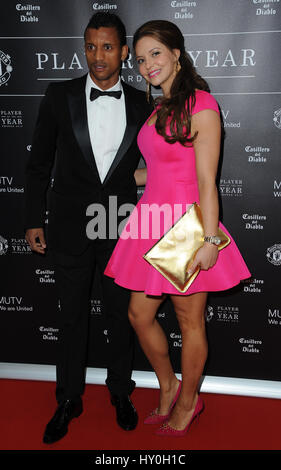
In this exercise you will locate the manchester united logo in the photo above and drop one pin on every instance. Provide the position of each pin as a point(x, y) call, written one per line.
point(5, 67)
point(277, 118)
point(274, 254)
point(3, 246)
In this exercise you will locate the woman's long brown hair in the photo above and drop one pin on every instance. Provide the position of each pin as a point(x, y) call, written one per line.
point(175, 110)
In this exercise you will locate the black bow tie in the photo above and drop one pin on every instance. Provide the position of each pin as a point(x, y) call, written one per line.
point(95, 93)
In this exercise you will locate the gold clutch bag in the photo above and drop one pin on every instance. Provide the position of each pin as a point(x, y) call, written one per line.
point(174, 253)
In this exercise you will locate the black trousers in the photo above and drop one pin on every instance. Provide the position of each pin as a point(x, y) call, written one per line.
point(74, 277)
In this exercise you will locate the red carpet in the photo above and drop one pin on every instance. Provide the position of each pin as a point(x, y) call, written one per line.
point(228, 422)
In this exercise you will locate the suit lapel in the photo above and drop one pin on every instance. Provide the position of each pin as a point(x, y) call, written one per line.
point(130, 131)
point(78, 111)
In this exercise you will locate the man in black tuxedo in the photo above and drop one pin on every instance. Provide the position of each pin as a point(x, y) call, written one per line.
point(88, 138)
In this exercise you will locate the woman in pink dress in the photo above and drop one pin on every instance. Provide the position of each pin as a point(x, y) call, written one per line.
point(181, 145)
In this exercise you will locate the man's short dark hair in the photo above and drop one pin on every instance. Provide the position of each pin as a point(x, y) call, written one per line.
point(108, 20)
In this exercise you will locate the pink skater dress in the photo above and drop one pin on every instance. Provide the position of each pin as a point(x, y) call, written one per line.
point(170, 188)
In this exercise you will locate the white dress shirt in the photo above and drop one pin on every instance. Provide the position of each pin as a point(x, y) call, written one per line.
point(107, 123)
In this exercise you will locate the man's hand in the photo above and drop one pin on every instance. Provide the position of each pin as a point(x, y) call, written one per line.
point(32, 235)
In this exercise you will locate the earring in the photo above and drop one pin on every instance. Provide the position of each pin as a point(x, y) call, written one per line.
point(148, 91)
point(178, 66)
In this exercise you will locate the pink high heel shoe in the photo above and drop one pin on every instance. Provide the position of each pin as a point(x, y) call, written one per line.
point(155, 418)
point(167, 430)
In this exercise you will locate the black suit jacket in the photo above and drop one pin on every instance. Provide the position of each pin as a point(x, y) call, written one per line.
point(61, 144)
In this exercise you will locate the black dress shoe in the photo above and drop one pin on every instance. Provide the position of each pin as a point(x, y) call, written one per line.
point(58, 426)
point(126, 414)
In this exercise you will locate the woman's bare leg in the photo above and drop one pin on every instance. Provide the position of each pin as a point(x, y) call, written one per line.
point(190, 314)
point(152, 338)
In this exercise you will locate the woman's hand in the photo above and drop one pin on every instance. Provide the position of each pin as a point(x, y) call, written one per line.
point(205, 257)
point(140, 176)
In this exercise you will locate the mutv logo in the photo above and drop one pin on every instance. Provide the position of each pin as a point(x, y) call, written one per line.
point(274, 316)
point(277, 188)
